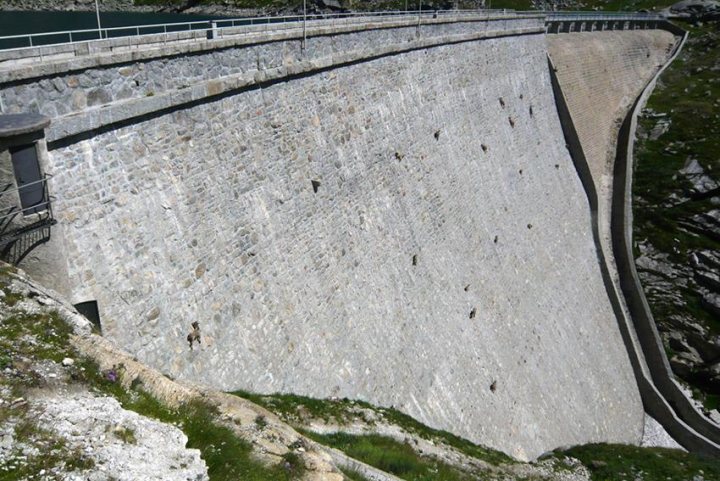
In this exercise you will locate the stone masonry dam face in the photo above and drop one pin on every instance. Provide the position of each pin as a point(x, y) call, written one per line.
point(408, 229)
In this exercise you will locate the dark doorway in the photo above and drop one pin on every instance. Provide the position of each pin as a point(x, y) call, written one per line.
point(29, 179)
point(89, 309)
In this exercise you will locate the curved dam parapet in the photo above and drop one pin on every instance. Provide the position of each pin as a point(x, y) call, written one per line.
point(399, 222)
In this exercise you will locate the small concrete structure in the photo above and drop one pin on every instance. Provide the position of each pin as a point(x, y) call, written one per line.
point(25, 210)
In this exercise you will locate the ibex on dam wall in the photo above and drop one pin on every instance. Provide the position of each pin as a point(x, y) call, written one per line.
point(194, 334)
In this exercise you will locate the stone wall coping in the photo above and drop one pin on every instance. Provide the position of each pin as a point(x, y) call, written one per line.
point(77, 123)
point(12, 125)
point(183, 43)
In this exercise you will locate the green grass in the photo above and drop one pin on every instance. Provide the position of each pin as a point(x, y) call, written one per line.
point(292, 408)
point(354, 475)
point(393, 457)
point(125, 434)
point(37, 336)
point(10, 298)
point(610, 462)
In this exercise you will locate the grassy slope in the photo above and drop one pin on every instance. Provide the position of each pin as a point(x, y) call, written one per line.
point(292, 408)
point(604, 461)
point(623, 463)
point(391, 456)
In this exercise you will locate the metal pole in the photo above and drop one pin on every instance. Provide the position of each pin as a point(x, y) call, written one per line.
point(304, 23)
point(97, 13)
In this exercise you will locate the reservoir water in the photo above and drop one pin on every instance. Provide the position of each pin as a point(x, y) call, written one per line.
point(19, 23)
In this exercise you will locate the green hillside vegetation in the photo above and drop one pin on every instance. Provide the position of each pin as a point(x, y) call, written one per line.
point(297, 410)
point(405, 459)
point(665, 204)
point(617, 462)
point(31, 337)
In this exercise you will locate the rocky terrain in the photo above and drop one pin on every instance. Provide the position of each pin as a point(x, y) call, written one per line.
point(706, 10)
point(677, 211)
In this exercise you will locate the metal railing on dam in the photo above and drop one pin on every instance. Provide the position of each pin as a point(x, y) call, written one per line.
point(567, 22)
point(234, 26)
point(218, 27)
point(617, 16)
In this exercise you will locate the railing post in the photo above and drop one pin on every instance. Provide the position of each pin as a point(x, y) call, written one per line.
point(304, 40)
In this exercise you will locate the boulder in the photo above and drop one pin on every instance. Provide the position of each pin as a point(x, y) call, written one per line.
point(711, 303)
point(707, 224)
point(695, 173)
point(697, 9)
point(681, 366)
point(708, 258)
point(707, 348)
point(709, 279)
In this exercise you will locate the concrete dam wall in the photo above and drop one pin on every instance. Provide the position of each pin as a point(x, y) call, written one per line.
point(393, 216)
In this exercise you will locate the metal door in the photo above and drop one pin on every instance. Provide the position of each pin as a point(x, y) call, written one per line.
point(29, 180)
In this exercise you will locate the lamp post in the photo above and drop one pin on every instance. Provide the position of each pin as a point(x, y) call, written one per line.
point(97, 13)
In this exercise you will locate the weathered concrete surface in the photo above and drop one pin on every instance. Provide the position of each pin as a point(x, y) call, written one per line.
point(447, 250)
point(601, 74)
